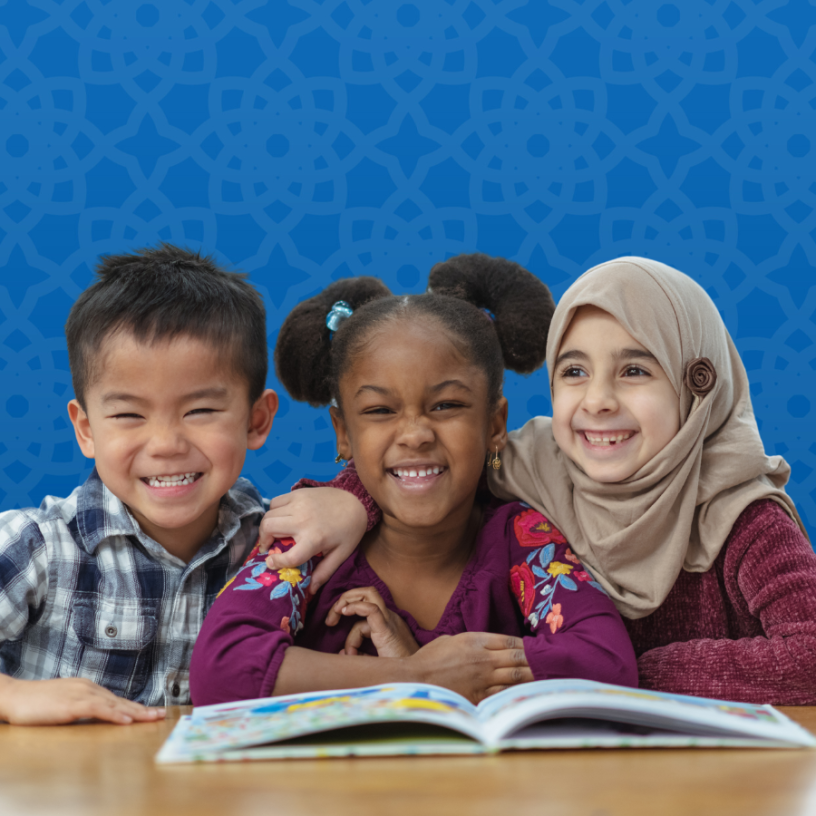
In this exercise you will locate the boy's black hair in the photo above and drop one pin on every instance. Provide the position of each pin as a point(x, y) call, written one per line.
point(494, 311)
point(164, 292)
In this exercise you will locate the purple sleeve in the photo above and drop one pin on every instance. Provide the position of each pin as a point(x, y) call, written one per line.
point(575, 629)
point(348, 480)
point(769, 575)
point(245, 635)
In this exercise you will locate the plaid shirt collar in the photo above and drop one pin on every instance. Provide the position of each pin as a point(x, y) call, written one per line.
point(101, 515)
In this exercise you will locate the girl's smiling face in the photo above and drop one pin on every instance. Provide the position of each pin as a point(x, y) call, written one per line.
point(614, 408)
point(415, 417)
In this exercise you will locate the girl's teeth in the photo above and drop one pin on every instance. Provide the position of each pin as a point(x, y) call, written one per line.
point(608, 439)
point(172, 481)
point(422, 473)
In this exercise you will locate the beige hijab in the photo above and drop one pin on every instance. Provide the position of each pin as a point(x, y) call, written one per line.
point(678, 509)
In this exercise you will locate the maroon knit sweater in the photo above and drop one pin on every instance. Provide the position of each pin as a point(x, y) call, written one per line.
point(745, 630)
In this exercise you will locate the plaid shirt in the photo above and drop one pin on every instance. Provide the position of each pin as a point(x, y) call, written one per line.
point(85, 593)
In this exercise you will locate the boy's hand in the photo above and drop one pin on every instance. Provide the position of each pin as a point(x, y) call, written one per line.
point(474, 664)
point(65, 700)
point(321, 520)
point(387, 631)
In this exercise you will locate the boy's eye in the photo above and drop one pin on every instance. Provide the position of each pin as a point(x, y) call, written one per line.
point(202, 411)
point(126, 416)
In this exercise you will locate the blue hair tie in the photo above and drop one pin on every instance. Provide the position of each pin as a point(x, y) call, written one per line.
point(489, 314)
point(340, 311)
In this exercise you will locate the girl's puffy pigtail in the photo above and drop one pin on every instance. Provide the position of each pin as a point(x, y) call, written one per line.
point(303, 353)
point(519, 304)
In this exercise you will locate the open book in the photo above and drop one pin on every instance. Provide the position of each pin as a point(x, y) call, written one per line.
point(410, 718)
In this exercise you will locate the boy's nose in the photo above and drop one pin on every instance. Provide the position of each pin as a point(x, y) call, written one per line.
point(166, 440)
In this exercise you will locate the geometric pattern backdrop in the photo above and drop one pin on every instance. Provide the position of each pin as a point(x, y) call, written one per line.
point(305, 140)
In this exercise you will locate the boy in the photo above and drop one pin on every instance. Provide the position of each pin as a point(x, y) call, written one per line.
point(103, 593)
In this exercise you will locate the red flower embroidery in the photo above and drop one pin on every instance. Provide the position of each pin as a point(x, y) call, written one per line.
point(571, 556)
point(533, 530)
point(582, 575)
point(267, 578)
point(523, 583)
point(284, 625)
point(555, 618)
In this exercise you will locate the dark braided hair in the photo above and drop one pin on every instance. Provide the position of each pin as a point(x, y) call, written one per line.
point(476, 303)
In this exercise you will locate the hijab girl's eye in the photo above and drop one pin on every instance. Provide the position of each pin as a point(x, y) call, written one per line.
point(572, 372)
point(635, 371)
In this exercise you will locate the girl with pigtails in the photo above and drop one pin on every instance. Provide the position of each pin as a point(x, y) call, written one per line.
point(450, 586)
point(653, 467)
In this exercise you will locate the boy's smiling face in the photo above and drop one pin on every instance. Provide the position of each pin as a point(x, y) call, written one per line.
point(169, 425)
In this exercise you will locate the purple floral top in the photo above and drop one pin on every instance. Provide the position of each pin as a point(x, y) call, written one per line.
point(522, 580)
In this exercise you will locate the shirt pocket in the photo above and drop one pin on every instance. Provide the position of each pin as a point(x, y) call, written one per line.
point(111, 641)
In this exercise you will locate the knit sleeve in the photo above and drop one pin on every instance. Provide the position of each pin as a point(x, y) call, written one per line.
point(769, 577)
point(348, 480)
point(575, 630)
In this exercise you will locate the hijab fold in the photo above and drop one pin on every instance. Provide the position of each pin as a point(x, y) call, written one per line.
point(676, 511)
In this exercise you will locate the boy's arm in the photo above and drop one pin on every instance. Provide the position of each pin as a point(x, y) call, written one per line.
point(575, 629)
point(329, 519)
point(23, 588)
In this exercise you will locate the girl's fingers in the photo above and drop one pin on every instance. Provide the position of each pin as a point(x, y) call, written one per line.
point(281, 501)
point(511, 676)
point(354, 640)
point(502, 642)
point(328, 566)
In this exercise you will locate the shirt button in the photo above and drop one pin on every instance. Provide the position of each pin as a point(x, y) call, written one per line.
point(111, 631)
point(176, 690)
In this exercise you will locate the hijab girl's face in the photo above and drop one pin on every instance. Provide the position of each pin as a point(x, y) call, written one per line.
point(415, 417)
point(613, 405)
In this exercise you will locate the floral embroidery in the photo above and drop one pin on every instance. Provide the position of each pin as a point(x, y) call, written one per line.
point(557, 568)
point(555, 618)
point(534, 581)
point(523, 582)
point(533, 530)
point(291, 582)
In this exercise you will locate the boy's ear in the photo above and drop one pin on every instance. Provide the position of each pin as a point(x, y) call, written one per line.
point(497, 432)
point(82, 428)
point(260, 419)
point(340, 430)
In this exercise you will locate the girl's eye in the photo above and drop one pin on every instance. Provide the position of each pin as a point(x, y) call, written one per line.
point(635, 371)
point(573, 371)
point(446, 406)
point(377, 409)
point(126, 416)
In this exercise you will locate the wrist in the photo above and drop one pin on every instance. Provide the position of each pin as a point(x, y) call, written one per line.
point(8, 686)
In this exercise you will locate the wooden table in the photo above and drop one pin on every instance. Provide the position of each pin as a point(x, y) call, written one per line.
point(105, 769)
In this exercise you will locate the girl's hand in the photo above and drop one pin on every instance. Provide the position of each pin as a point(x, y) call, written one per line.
point(474, 664)
point(387, 631)
point(323, 520)
point(65, 700)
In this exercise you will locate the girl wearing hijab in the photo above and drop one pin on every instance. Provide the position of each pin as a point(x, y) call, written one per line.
point(653, 468)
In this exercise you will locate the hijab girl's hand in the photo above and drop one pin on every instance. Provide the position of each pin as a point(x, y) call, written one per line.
point(387, 631)
point(474, 664)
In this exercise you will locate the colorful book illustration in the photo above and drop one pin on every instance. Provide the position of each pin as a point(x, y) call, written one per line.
point(410, 718)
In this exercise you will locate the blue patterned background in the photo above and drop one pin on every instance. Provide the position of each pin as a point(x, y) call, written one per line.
point(307, 140)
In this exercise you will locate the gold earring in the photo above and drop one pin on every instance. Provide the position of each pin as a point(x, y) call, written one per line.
point(496, 461)
point(339, 458)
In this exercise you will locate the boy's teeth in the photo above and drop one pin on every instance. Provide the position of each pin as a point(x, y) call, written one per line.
point(607, 439)
point(172, 481)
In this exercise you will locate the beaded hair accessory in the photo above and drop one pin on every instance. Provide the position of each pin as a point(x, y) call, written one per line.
point(340, 311)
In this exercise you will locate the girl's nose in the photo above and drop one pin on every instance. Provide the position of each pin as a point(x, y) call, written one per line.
point(600, 396)
point(415, 432)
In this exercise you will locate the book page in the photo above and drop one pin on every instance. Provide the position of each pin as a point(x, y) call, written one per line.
point(256, 722)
